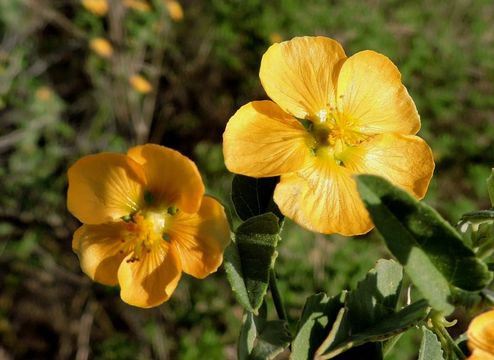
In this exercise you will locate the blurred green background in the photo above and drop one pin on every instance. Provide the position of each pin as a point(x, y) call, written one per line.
point(60, 99)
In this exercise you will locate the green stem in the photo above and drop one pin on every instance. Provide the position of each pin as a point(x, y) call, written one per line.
point(444, 337)
point(278, 302)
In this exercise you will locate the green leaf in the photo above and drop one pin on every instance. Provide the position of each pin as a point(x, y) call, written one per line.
point(247, 336)
point(317, 318)
point(253, 196)
point(367, 307)
point(249, 259)
point(430, 347)
point(233, 269)
point(376, 296)
point(477, 229)
point(386, 328)
point(261, 339)
point(490, 187)
point(431, 251)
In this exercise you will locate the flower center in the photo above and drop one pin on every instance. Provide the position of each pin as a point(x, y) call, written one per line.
point(334, 133)
point(146, 230)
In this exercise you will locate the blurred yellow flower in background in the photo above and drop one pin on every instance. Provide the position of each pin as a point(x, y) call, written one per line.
point(140, 84)
point(101, 47)
point(97, 7)
point(360, 119)
point(44, 93)
point(481, 337)
point(145, 220)
point(275, 38)
point(174, 10)
point(139, 5)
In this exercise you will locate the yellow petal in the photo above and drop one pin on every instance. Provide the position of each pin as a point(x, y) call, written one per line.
point(139, 5)
point(479, 354)
point(299, 75)
point(405, 160)
point(174, 10)
point(323, 198)
point(288, 196)
point(172, 178)
point(101, 47)
point(370, 92)
point(97, 7)
point(140, 84)
point(151, 280)
point(261, 140)
point(104, 187)
point(101, 249)
point(201, 238)
point(481, 335)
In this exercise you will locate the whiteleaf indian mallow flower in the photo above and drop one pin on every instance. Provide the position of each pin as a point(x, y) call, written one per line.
point(481, 336)
point(331, 117)
point(145, 221)
point(97, 7)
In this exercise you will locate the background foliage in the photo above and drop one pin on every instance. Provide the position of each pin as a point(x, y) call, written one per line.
point(60, 100)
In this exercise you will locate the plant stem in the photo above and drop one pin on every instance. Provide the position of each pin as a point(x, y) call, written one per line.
point(278, 302)
point(444, 337)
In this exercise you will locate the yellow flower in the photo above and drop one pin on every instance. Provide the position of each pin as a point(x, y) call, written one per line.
point(44, 93)
point(145, 220)
point(481, 337)
point(101, 47)
point(140, 84)
point(97, 7)
point(275, 38)
point(174, 10)
point(139, 5)
point(359, 117)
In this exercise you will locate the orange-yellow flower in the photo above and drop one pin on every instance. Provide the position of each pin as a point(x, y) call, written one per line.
point(101, 47)
point(145, 220)
point(97, 7)
point(140, 84)
point(481, 337)
point(44, 93)
point(174, 10)
point(359, 119)
point(139, 5)
point(275, 38)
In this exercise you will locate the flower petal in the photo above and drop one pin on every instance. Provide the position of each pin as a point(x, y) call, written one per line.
point(405, 160)
point(299, 75)
point(481, 333)
point(372, 95)
point(151, 280)
point(104, 187)
point(172, 178)
point(261, 140)
point(323, 198)
point(201, 238)
point(479, 354)
point(101, 249)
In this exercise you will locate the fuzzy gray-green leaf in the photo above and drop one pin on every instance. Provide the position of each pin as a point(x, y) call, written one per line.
point(431, 251)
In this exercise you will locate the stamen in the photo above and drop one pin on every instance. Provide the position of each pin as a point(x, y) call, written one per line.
point(147, 230)
point(335, 132)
